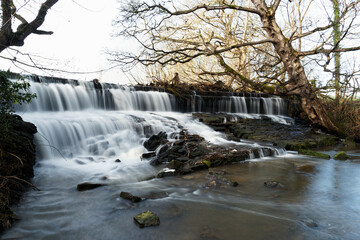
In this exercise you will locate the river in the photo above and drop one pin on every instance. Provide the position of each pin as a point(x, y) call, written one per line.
point(82, 131)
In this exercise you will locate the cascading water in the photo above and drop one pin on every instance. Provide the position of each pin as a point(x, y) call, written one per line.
point(82, 130)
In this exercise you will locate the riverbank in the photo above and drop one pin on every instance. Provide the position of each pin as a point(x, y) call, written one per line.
point(17, 158)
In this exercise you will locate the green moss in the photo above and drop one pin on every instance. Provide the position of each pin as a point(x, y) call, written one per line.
point(314, 154)
point(207, 163)
point(341, 156)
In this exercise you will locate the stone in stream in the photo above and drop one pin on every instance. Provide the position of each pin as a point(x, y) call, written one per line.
point(146, 219)
point(341, 156)
point(304, 168)
point(148, 155)
point(88, 186)
point(274, 184)
point(155, 141)
point(155, 195)
point(130, 197)
point(118, 160)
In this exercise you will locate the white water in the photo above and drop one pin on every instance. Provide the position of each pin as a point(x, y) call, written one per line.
point(82, 131)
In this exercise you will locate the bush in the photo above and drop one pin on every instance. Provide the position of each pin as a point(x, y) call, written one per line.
point(12, 92)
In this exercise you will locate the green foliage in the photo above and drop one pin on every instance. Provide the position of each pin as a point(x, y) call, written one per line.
point(13, 92)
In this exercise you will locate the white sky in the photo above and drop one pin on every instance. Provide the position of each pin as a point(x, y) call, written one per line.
point(82, 32)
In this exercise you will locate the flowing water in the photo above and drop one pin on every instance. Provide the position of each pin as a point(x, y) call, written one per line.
point(83, 130)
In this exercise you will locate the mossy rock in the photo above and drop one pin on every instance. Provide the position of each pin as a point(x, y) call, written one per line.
point(147, 219)
point(314, 154)
point(341, 156)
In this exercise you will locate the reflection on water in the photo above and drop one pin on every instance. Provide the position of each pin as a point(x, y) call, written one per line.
point(323, 204)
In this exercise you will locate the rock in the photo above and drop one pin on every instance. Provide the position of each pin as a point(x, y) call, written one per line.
point(273, 184)
point(304, 168)
point(310, 223)
point(117, 160)
point(130, 197)
point(155, 195)
point(314, 154)
point(88, 186)
point(209, 233)
point(341, 156)
point(166, 172)
point(174, 164)
point(146, 219)
point(155, 141)
point(148, 155)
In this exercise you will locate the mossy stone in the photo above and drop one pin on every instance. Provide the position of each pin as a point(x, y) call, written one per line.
point(147, 219)
point(314, 154)
point(341, 156)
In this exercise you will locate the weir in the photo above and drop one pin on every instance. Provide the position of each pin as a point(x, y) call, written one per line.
point(96, 134)
point(88, 134)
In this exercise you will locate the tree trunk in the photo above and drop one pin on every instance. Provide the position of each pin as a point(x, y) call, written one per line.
point(297, 83)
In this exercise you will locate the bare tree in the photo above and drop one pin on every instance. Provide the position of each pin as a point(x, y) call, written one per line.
point(9, 13)
point(145, 22)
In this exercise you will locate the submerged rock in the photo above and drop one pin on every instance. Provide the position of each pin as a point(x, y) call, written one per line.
point(341, 156)
point(88, 186)
point(304, 168)
point(155, 195)
point(130, 197)
point(274, 184)
point(314, 154)
point(146, 219)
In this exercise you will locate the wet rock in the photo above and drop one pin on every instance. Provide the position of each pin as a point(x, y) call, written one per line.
point(217, 178)
point(304, 168)
point(155, 195)
point(166, 172)
point(130, 197)
point(174, 164)
point(341, 156)
point(118, 160)
point(314, 154)
point(88, 186)
point(310, 223)
point(155, 141)
point(146, 219)
point(148, 155)
point(274, 184)
point(209, 233)
point(212, 184)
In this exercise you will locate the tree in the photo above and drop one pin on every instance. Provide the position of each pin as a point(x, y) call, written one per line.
point(9, 12)
point(145, 22)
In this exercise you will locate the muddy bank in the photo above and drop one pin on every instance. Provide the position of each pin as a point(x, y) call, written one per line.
point(17, 157)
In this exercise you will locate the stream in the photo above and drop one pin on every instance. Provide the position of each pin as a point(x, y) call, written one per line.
point(82, 131)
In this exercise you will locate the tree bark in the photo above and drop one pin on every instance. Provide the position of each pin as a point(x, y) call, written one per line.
point(9, 38)
point(297, 83)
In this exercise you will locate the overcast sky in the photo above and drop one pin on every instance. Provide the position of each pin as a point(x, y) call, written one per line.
point(82, 32)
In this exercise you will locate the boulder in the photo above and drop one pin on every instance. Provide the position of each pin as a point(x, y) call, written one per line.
point(130, 197)
point(155, 141)
point(341, 156)
point(88, 186)
point(148, 155)
point(146, 219)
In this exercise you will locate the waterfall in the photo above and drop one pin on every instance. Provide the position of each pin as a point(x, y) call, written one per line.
point(78, 96)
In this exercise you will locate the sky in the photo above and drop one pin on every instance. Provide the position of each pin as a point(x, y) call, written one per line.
point(83, 31)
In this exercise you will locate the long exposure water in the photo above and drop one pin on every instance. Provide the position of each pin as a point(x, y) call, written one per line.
point(82, 131)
